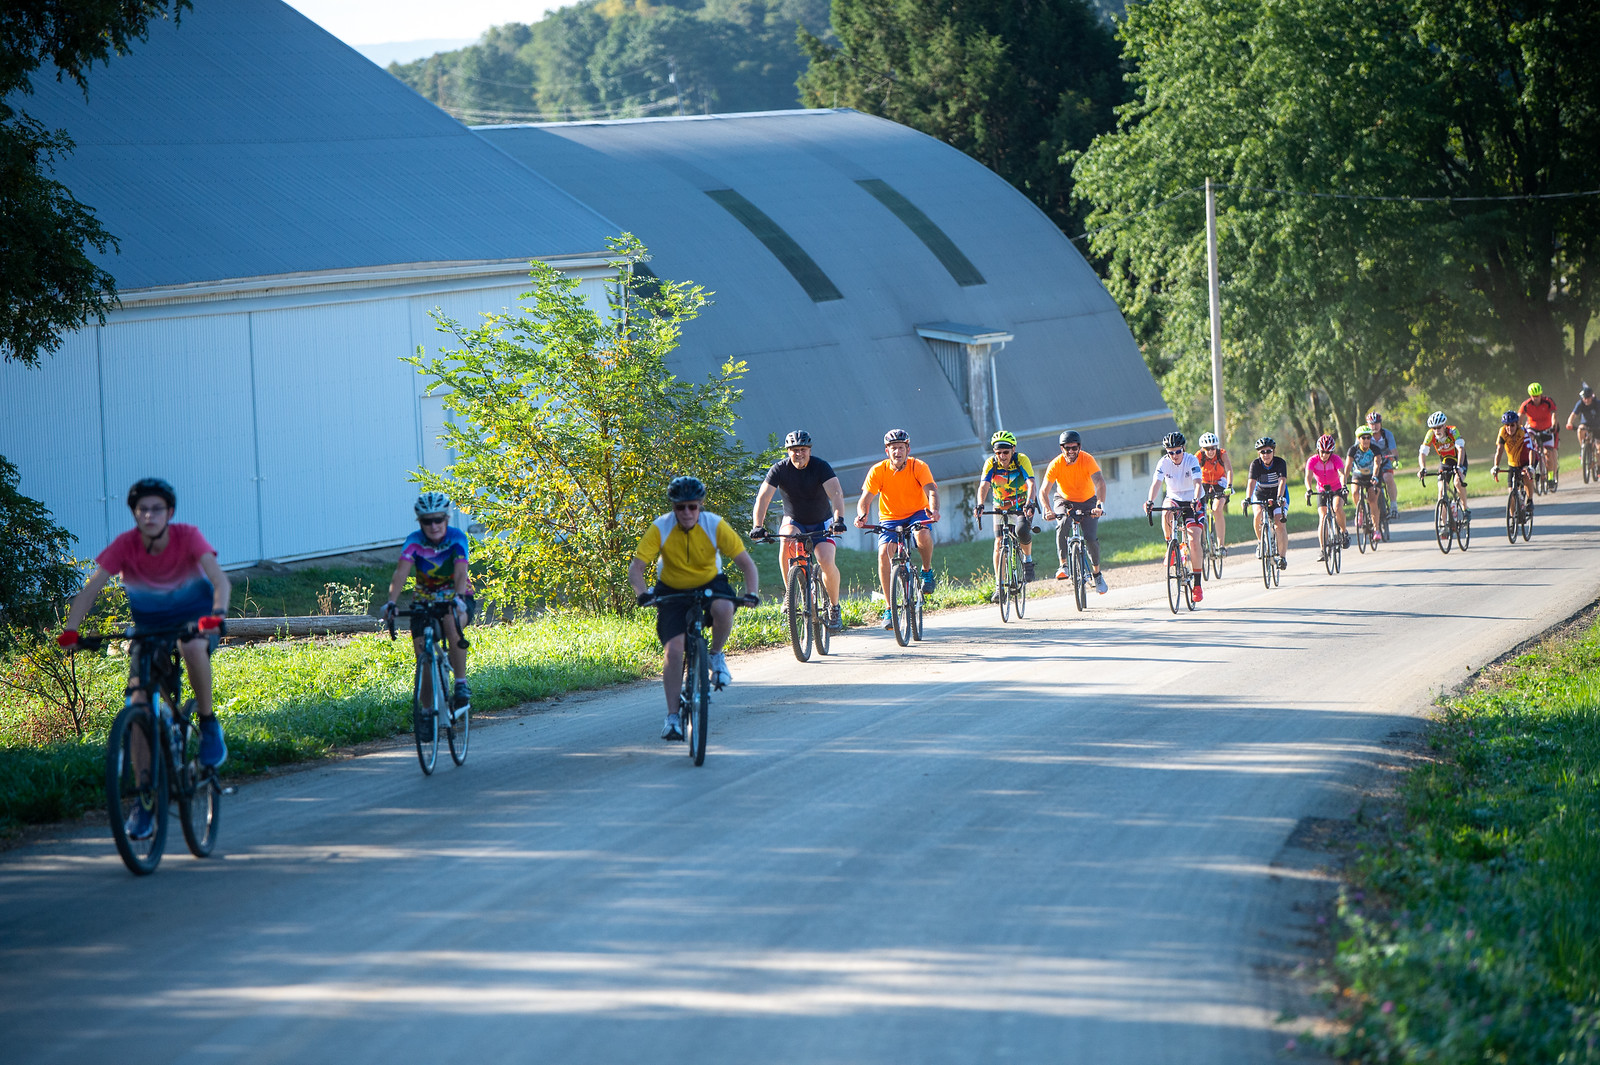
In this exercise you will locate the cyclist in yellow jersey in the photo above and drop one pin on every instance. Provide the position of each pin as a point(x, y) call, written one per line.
point(688, 544)
point(1515, 443)
point(1446, 440)
point(1010, 474)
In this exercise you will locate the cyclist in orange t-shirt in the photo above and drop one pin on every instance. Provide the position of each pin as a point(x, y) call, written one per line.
point(1080, 491)
point(909, 494)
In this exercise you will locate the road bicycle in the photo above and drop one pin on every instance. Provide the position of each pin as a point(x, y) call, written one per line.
point(1010, 583)
point(1368, 531)
point(1452, 521)
point(1328, 534)
point(1076, 559)
point(694, 697)
point(806, 606)
point(1538, 473)
point(153, 755)
point(1589, 456)
point(905, 582)
point(431, 689)
point(1519, 506)
point(1214, 549)
point(1266, 542)
point(1180, 578)
point(1385, 505)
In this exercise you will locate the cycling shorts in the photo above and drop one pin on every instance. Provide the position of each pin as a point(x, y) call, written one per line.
point(1016, 521)
point(1276, 504)
point(1192, 513)
point(1546, 437)
point(673, 621)
point(886, 538)
point(792, 526)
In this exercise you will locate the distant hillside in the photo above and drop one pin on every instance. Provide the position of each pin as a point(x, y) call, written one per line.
point(615, 59)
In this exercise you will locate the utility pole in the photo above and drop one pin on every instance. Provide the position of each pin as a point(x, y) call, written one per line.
point(672, 77)
point(1217, 418)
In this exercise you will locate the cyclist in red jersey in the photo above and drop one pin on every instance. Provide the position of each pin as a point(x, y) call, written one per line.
point(1538, 413)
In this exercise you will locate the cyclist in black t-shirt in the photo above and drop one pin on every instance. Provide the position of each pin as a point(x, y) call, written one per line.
point(1269, 485)
point(811, 495)
point(1585, 416)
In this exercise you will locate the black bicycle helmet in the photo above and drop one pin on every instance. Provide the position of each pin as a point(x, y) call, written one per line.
point(152, 486)
point(686, 490)
point(1585, 391)
point(1266, 441)
point(798, 438)
point(1071, 437)
point(896, 436)
point(1173, 439)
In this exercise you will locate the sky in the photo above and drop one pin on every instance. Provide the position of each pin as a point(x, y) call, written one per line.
point(358, 22)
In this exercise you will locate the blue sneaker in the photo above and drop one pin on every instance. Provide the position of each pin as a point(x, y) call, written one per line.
point(141, 823)
point(213, 748)
point(927, 582)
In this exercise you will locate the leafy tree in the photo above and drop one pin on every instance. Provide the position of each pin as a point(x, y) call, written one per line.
point(48, 283)
point(568, 425)
point(1309, 115)
point(1019, 86)
point(38, 571)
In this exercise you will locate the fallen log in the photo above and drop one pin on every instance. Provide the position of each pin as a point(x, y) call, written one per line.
point(326, 625)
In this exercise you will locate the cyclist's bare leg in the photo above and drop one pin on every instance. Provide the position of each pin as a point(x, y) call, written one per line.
point(1338, 515)
point(1550, 462)
point(1196, 554)
point(672, 672)
point(999, 543)
point(138, 697)
point(427, 674)
point(452, 640)
point(1280, 526)
point(1322, 539)
point(830, 570)
point(885, 553)
point(721, 623)
point(197, 660)
point(925, 547)
point(1219, 519)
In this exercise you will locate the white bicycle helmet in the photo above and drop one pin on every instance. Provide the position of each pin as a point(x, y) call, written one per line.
point(431, 503)
point(1209, 440)
point(1436, 419)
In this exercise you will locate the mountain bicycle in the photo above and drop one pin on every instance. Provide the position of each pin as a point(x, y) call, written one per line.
point(1328, 534)
point(905, 582)
point(1010, 585)
point(1588, 456)
point(1180, 577)
point(153, 755)
point(431, 689)
point(1451, 518)
point(805, 601)
point(1214, 549)
point(1368, 531)
point(1076, 560)
point(1266, 542)
point(694, 697)
point(1519, 505)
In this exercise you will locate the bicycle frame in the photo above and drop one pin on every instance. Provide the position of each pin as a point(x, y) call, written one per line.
point(904, 573)
point(432, 676)
point(1180, 573)
point(694, 696)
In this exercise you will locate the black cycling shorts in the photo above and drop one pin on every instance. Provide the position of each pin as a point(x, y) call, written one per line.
point(672, 621)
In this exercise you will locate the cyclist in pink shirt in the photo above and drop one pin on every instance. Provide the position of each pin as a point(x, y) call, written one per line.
point(1325, 473)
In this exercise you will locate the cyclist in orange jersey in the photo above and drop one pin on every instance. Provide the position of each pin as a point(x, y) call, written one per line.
point(909, 494)
point(1216, 473)
point(1538, 413)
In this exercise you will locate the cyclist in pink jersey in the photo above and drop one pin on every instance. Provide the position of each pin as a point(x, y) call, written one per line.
point(1325, 473)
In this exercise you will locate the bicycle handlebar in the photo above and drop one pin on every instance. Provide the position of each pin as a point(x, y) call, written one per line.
point(673, 598)
point(435, 610)
point(186, 631)
point(1006, 512)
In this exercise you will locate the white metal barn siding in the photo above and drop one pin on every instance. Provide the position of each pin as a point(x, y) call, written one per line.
point(50, 430)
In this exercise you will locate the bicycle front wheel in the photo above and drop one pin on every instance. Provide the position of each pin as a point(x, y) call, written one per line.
point(900, 606)
point(797, 609)
point(1513, 516)
point(1527, 516)
point(458, 730)
point(424, 718)
point(134, 783)
point(697, 722)
point(1175, 579)
point(1441, 526)
point(1269, 564)
point(1463, 524)
point(199, 795)
point(1019, 585)
point(1363, 526)
point(1080, 577)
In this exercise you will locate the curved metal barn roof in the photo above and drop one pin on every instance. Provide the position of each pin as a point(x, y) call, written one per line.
point(246, 141)
point(829, 237)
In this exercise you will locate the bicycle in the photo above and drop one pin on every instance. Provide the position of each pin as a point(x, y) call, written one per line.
point(1368, 532)
point(1519, 506)
point(1214, 549)
point(1537, 471)
point(1076, 560)
point(1331, 538)
point(1266, 542)
point(1009, 583)
point(1589, 456)
point(905, 583)
point(1451, 518)
point(694, 697)
point(1180, 578)
point(433, 672)
point(805, 599)
point(136, 776)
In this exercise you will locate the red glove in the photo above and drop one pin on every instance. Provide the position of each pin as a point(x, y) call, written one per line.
point(68, 638)
point(209, 623)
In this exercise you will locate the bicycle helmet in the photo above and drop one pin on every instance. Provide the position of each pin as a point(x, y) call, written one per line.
point(1509, 418)
point(1071, 437)
point(686, 490)
point(1325, 442)
point(1536, 389)
point(896, 436)
point(798, 438)
point(1002, 437)
point(431, 503)
point(1436, 419)
point(1266, 441)
point(1209, 440)
point(1585, 391)
point(152, 486)
point(1373, 417)
point(1173, 440)
point(1363, 430)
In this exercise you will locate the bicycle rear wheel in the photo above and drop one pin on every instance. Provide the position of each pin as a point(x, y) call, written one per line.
point(900, 606)
point(425, 718)
point(1463, 524)
point(821, 611)
point(459, 722)
point(1441, 526)
point(132, 740)
point(1269, 564)
point(797, 610)
point(1019, 600)
point(1213, 552)
point(1330, 542)
point(1527, 516)
point(697, 722)
point(199, 794)
point(1383, 513)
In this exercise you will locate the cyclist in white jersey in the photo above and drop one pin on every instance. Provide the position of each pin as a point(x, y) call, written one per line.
point(1180, 473)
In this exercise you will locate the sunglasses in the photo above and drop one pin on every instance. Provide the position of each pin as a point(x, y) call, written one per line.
point(1071, 449)
point(439, 520)
point(1002, 450)
point(1174, 450)
point(685, 507)
point(1265, 451)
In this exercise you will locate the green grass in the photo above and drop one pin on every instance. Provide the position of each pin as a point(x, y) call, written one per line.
point(295, 594)
point(1473, 927)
